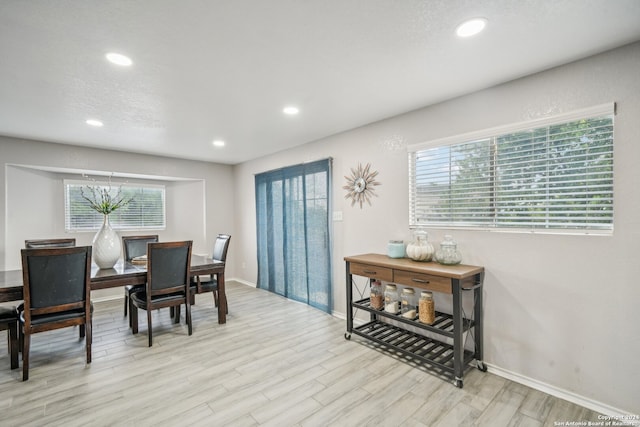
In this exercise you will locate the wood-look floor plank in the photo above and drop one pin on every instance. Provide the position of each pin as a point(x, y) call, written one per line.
point(293, 406)
point(334, 413)
point(501, 409)
point(459, 415)
point(275, 362)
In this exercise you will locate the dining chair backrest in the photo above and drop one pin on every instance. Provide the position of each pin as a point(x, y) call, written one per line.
point(135, 246)
point(56, 280)
point(57, 294)
point(168, 271)
point(220, 247)
point(49, 243)
point(209, 282)
point(168, 267)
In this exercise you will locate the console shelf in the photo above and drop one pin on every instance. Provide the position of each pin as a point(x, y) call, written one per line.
point(443, 324)
point(442, 349)
point(430, 351)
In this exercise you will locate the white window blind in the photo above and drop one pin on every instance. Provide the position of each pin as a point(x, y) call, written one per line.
point(145, 211)
point(554, 176)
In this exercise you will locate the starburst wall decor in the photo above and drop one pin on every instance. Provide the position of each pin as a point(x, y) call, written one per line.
point(360, 185)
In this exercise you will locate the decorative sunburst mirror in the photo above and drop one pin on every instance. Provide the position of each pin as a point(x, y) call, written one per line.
point(360, 185)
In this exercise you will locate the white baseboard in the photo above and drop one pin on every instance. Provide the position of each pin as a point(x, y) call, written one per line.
point(339, 315)
point(244, 282)
point(108, 298)
point(570, 396)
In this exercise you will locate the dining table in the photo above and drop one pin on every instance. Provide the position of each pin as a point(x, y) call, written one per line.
point(125, 273)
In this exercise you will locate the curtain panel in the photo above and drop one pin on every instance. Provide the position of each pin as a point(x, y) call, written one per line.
point(294, 234)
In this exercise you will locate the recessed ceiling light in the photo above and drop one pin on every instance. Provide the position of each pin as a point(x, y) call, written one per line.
point(291, 110)
point(218, 143)
point(94, 122)
point(119, 59)
point(471, 27)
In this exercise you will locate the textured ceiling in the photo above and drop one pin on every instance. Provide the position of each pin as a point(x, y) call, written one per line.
point(224, 69)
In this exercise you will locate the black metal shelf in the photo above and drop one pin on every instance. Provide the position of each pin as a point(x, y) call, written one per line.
point(427, 350)
point(450, 345)
point(442, 325)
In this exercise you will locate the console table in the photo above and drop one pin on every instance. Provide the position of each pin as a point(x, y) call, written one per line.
point(432, 346)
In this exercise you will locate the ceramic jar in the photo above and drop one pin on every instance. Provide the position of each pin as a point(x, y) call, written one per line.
point(395, 249)
point(420, 249)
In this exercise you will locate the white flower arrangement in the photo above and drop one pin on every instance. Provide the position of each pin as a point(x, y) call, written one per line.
point(101, 200)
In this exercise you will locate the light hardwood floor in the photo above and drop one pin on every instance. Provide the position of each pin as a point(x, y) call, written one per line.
point(275, 362)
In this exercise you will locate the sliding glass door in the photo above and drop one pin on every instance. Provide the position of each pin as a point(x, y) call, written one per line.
point(294, 237)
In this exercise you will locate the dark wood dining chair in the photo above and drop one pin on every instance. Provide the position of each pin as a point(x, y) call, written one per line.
point(9, 322)
point(57, 294)
point(168, 266)
point(43, 244)
point(134, 246)
point(209, 283)
point(49, 243)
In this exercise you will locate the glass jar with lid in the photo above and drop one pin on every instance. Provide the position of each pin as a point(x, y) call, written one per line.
point(426, 308)
point(420, 249)
point(448, 253)
point(376, 298)
point(391, 300)
point(408, 307)
point(395, 249)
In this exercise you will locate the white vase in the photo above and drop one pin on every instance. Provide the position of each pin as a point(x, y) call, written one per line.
point(106, 246)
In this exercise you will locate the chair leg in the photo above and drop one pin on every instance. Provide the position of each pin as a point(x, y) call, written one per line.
point(130, 311)
point(82, 331)
point(13, 344)
point(133, 318)
point(89, 339)
point(226, 304)
point(149, 328)
point(126, 303)
point(176, 316)
point(20, 338)
point(188, 316)
point(25, 357)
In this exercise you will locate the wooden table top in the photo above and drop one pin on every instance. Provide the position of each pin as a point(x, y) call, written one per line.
point(460, 271)
point(123, 273)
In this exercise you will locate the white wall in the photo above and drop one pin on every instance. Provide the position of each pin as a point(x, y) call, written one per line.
point(32, 200)
point(560, 310)
point(184, 211)
point(35, 210)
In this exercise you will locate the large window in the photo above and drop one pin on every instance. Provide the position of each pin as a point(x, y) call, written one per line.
point(146, 211)
point(554, 174)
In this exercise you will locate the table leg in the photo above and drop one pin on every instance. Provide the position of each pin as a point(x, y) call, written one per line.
point(222, 300)
point(479, 327)
point(458, 344)
point(349, 279)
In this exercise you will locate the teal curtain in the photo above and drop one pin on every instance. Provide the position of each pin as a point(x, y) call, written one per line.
point(294, 234)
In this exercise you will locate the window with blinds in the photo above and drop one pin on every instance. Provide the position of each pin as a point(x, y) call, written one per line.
point(554, 174)
point(145, 211)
